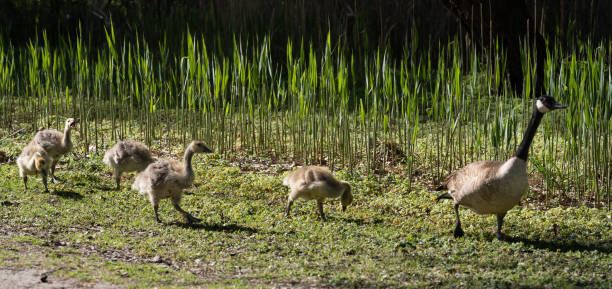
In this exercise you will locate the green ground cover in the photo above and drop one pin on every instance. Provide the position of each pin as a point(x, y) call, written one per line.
point(395, 235)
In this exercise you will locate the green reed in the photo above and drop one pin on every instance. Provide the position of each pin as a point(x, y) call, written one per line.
point(323, 107)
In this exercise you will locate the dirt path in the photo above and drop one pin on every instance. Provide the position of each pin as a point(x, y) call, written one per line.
point(34, 278)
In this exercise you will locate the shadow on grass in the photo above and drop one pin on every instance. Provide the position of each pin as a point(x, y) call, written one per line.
point(361, 221)
point(229, 228)
point(604, 247)
point(106, 188)
point(68, 194)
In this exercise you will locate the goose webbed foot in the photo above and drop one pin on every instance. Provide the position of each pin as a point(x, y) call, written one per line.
point(499, 235)
point(458, 232)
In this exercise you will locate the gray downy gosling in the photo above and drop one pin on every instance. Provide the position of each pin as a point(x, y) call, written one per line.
point(316, 183)
point(127, 156)
point(168, 178)
point(33, 160)
point(56, 143)
point(490, 187)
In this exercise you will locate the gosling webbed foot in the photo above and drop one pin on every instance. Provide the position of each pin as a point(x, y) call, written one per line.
point(191, 219)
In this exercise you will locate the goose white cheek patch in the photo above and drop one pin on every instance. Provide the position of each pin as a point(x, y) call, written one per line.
point(541, 107)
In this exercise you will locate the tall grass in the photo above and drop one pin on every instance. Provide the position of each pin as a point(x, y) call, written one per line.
point(322, 107)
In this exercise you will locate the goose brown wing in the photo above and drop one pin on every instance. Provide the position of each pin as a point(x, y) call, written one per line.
point(474, 172)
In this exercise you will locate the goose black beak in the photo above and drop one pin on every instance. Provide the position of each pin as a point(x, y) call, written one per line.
point(559, 106)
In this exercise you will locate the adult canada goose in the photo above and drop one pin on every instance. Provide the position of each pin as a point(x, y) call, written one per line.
point(32, 161)
point(127, 156)
point(316, 183)
point(56, 143)
point(168, 178)
point(490, 187)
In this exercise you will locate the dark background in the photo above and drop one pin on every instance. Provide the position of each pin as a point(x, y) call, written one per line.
point(357, 26)
point(358, 23)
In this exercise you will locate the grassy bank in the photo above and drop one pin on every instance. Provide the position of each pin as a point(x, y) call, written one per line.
point(395, 235)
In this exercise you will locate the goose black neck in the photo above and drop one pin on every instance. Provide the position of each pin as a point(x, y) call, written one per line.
point(523, 150)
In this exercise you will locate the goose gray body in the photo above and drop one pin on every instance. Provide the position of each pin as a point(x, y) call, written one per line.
point(491, 187)
point(127, 156)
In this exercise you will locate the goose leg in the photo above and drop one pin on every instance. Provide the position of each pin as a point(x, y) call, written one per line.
point(25, 183)
point(44, 180)
point(288, 209)
point(500, 223)
point(189, 217)
point(320, 206)
point(458, 231)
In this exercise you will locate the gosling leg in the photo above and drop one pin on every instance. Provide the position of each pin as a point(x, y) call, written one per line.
point(189, 217)
point(320, 206)
point(155, 202)
point(458, 231)
point(44, 180)
point(53, 177)
point(155, 207)
point(288, 209)
point(25, 183)
point(117, 176)
point(500, 223)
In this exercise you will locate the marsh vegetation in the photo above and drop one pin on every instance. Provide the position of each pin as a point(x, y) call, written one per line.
point(392, 125)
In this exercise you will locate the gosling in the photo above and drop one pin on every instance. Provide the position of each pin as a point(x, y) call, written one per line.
point(495, 187)
point(127, 156)
point(167, 179)
point(316, 183)
point(55, 143)
point(32, 161)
